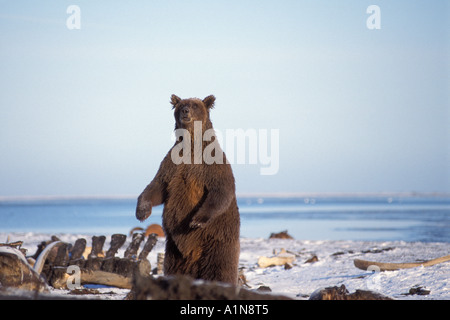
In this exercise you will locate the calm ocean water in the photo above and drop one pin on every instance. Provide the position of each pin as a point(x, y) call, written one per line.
point(380, 218)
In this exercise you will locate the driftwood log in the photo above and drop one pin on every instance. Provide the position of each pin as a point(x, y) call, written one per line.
point(185, 288)
point(385, 266)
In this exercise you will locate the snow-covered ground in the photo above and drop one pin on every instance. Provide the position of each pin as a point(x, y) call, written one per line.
point(333, 268)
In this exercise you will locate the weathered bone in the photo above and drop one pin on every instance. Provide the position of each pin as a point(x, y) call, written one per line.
point(97, 246)
point(160, 263)
point(117, 240)
point(278, 260)
point(151, 241)
point(62, 255)
point(106, 278)
point(17, 273)
point(16, 244)
point(78, 249)
point(111, 270)
point(43, 245)
point(94, 277)
point(386, 266)
point(124, 270)
point(132, 249)
point(39, 265)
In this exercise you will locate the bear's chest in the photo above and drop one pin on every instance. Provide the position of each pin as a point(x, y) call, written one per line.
point(185, 190)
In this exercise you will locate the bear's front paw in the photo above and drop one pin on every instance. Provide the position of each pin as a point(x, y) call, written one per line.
point(199, 221)
point(143, 210)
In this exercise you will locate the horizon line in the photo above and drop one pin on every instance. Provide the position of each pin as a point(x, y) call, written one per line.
point(238, 195)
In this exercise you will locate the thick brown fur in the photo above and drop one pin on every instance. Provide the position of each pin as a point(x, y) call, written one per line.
point(200, 217)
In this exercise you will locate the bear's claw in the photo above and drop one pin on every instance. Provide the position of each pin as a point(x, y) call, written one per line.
point(195, 225)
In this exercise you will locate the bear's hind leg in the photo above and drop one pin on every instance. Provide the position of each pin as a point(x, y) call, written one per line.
point(175, 263)
point(220, 263)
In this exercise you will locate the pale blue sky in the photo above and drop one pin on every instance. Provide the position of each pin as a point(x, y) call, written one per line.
point(86, 112)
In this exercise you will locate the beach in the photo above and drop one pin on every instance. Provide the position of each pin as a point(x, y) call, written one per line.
point(333, 266)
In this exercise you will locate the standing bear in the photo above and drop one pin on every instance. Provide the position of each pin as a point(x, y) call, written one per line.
point(200, 216)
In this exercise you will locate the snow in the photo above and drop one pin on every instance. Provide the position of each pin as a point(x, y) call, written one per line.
point(334, 266)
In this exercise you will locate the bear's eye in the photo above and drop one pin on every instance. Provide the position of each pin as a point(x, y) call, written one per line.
point(194, 106)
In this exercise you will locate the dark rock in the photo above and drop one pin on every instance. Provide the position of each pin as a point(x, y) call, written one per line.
point(280, 235)
point(312, 259)
point(341, 293)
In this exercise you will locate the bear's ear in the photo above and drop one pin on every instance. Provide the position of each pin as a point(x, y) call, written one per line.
point(174, 100)
point(209, 101)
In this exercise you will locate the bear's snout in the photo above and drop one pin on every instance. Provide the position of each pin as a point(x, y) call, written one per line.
point(185, 111)
point(185, 114)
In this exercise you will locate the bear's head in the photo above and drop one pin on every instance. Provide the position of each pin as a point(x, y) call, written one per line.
point(187, 111)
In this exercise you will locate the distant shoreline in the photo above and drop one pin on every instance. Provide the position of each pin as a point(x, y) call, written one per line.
point(342, 194)
point(280, 195)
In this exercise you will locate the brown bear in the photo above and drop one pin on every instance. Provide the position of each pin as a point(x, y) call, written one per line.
point(200, 216)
